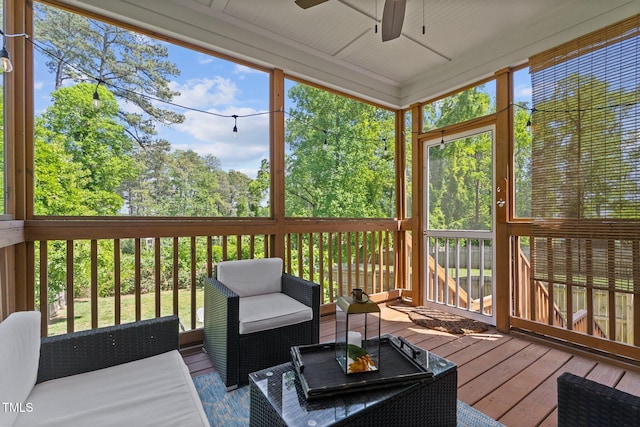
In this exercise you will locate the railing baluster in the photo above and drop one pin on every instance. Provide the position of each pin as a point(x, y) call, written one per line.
point(44, 288)
point(300, 258)
point(611, 273)
point(176, 274)
point(117, 301)
point(70, 293)
point(321, 266)
point(339, 264)
point(158, 274)
point(590, 281)
point(330, 256)
point(349, 264)
point(193, 282)
point(138, 278)
point(94, 284)
point(569, 286)
point(288, 255)
point(311, 255)
point(209, 256)
point(357, 263)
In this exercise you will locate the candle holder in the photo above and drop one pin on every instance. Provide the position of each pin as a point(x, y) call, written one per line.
point(357, 333)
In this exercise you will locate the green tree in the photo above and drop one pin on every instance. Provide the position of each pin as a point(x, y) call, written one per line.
point(460, 175)
point(582, 167)
point(134, 67)
point(259, 191)
point(522, 162)
point(352, 175)
point(81, 152)
point(193, 187)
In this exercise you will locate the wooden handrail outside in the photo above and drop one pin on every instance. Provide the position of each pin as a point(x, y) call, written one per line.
point(158, 266)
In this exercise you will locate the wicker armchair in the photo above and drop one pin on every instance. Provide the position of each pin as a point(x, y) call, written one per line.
point(254, 314)
point(582, 402)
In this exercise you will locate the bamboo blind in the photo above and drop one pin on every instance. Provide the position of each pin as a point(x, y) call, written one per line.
point(586, 179)
point(585, 116)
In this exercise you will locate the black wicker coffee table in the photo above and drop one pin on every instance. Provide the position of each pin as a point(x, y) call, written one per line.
point(278, 399)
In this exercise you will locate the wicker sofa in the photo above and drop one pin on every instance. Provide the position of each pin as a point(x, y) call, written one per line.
point(253, 314)
point(583, 402)
point(129, 374)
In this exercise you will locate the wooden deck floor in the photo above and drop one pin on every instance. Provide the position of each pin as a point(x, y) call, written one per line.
point(511, 379)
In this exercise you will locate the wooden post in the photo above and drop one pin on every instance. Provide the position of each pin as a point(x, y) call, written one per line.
point(276, 103)
point(504, 191)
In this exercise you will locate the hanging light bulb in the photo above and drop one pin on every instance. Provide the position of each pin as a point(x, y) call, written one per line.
point(7, 67)
point(385, 147)
point(96, 96)
point(235, 125)
point(529, 125)
point(442, 141)
point(96, 99)
point(5, 59)
point(325, 145)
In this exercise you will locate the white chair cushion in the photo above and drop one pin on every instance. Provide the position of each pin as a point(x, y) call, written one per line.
point(19, 358)
point(269, 311)
point(156, 391)
point(251, 276)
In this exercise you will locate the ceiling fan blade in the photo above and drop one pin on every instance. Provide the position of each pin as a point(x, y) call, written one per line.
point(392, 19)
point(306, 4)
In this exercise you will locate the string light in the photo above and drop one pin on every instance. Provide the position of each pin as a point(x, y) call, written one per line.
point(96, 96)
point(96, 103)
point(235, 125)
point(376, 26)
point(7, 67)
point(423, 27)
point(442, 141)
point(5, 58)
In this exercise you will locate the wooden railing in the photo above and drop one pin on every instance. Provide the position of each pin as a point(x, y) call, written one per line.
point(92, 273)
point(459, 272)
point(532, 300)
point(342, 261)
point(525, 307)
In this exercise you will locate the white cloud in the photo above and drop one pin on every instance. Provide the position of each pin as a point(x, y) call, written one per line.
point(523, 91)
point(203, 59)
point(205, 93)
point(242, 69)
point(211, 134)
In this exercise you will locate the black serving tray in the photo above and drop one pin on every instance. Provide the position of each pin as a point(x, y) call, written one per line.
point(321, 375)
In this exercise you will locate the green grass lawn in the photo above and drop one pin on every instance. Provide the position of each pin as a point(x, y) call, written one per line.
point(106, 316)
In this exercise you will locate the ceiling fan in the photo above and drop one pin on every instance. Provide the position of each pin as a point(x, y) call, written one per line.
point(392, 16)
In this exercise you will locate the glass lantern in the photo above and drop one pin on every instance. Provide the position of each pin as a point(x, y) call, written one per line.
point(357, 333)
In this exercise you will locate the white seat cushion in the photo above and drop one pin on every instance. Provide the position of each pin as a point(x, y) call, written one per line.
point(19, 356)
point(270, 311)
point(156, 391)
point(250, 277)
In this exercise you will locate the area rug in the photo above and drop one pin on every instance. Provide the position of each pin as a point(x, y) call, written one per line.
point(439, 320)
point(231, 409)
